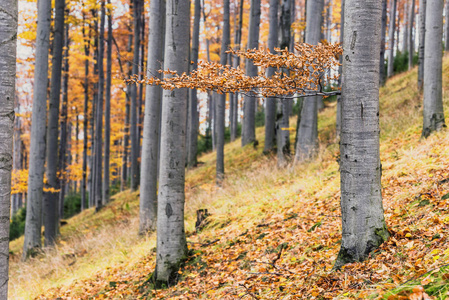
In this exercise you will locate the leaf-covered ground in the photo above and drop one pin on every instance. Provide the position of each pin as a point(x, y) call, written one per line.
point(274, 234)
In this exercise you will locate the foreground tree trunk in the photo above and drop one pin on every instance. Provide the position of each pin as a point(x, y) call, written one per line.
point(391, 31)
point(422, 37)
point(33, 221)
point(8, 34)
point(221, 99)
point(433, 113)
point(270, 103)
point(193, 120)
point(307, 143)
point(171, 239)
point(151, 126)
point(249, 107)
point(51, 207)
point(363, 223)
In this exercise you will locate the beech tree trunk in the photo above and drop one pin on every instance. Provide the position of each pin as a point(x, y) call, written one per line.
point(135, 143)
point(249, 107)
point(107, 112)
point(8, 34)
point(391, 32)
point(307, 144)
point(382, 75)
point(363, 223)
point(192, 138)
point(340, 69)
point(270, 102)
point(411, 42)
point(33, 221)
point(152, 120)
point(51, 207)
point(221, 99)
point(99, 115)
point(283, 113)
point(234, 99)
point(446, 22)
point(64, 136)
point(406, 27)
point(422, 36)
point(433, 113)
point(171, 239)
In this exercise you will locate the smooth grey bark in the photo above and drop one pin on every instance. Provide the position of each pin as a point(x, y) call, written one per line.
point(422, 36)
point(17, 159)
point(433, 113)
point(307, 144)
point(405, 31)
point(283, 111)
point(234, 99)
point(270, 102)
point(151, 125)
point(33, 222)
point(8, 36)
point(363, 222)
point(446, 22)
point(221, 99)
point(171, 239)
point(107, 111)
point(391, 32)
point(192, 134)
point(382, 75)
point(126, 153)
point(51, 207)
point(411, 42)
point(340, 69)
point(99, 115)
point(135, 142)
point(64, 134)
point(249, 106)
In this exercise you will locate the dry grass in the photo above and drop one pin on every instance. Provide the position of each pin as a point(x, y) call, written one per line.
point(254, 187)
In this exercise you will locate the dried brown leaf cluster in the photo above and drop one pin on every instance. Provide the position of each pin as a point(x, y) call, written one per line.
point(297, 73)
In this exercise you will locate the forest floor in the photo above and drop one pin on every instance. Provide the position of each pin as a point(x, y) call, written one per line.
point(273, 233)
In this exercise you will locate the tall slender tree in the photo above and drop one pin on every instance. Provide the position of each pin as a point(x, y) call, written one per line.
point(446, 26)
point(33, 222)
point(221, 99)
point(283, 111)
point(64, 124)
point(192, 137)
point(51, 207)
point(340, 69)
point(8, 34)
point(249, 107)
point(422, 37)
point(382, 73)
point(171, 239)
point(152, 120)
point(363, 223)
point(234, 107)
point(307, 143)
point(107, 110)
point(270, 102)
point(135, 141)
point(433, 113)
point(391, 31)
point(411, 42)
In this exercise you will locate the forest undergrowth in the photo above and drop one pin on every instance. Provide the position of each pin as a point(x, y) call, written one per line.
point(273, 233)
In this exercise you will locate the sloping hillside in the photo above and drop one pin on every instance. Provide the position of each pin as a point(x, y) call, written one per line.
point(273, 233)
